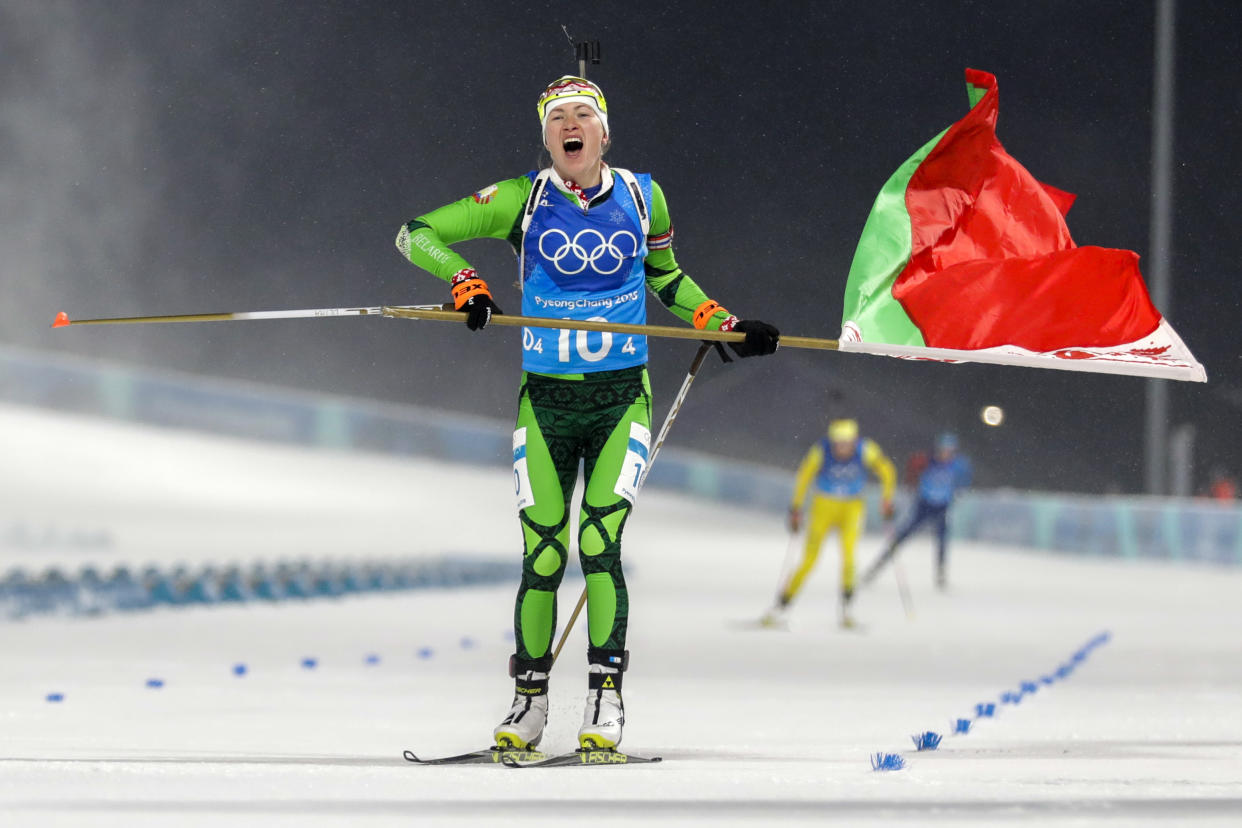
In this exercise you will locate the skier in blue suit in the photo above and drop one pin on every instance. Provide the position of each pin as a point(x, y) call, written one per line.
point(946, 473)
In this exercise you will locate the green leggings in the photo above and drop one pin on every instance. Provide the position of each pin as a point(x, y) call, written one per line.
point(602, 419)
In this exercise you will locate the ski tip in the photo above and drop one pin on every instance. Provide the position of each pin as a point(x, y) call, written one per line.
point(61, 320)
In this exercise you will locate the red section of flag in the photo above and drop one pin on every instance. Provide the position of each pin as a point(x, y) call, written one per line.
point(1084, 297)
point(992, 259)
point(1063, 200)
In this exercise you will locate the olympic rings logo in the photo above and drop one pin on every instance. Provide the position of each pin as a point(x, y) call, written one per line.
point(606, 249)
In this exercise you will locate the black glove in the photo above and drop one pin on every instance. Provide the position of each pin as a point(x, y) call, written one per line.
point(761, 338)
point(479, 310)
point(471, 297)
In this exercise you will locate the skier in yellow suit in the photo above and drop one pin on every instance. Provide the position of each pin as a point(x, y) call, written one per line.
point(837, 467)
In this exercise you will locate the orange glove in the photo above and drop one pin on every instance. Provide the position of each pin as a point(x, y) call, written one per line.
point(471, 297)
point(887, 510)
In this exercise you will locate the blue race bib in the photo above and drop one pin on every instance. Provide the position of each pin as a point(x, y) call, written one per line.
point(584, 265)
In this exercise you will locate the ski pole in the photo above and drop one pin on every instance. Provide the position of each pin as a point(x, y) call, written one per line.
point(666, 331)
point(903, 590)
point(573, 617)
point(695, 365)
point(704, 349)
point(442, 313)
point(63, 321)
point(787, 564)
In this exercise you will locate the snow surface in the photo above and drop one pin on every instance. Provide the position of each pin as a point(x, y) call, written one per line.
point(755, 726)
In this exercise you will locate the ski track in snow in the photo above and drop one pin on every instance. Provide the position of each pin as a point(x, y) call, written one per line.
point(756, 726)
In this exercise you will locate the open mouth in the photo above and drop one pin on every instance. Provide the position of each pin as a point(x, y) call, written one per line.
point(572, 144)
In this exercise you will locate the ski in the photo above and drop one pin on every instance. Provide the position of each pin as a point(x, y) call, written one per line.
point(487, 756)
point(580, 757)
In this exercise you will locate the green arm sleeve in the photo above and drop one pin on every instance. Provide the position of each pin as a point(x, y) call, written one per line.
point(493, 213)
point(665, 278)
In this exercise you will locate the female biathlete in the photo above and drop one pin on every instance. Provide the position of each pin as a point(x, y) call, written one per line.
point(835, 469)
point(589, 239)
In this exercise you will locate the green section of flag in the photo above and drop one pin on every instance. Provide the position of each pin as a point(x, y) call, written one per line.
point(975, 93)
point(883, 252)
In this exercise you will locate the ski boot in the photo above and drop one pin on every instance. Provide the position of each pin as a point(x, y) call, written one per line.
point(523, 727)
point(847, 617)
point(605, 712)
point(776, 618)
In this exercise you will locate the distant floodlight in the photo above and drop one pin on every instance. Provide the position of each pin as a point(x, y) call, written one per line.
point(992, 415)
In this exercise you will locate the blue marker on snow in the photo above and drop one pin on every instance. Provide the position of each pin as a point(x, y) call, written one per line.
point(887, 762)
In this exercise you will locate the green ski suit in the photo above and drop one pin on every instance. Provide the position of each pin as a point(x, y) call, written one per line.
point(567, 417)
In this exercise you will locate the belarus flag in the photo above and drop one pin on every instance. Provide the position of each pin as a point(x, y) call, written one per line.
point(967, 257)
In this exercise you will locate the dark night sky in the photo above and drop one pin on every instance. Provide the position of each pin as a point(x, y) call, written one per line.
point(188, 157)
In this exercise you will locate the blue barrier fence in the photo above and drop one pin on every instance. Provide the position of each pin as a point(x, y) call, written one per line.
point(90, 592)
point(238, 409)
point(1127, 527)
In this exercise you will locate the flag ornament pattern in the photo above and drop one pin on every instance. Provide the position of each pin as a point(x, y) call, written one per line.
point(966, 257)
